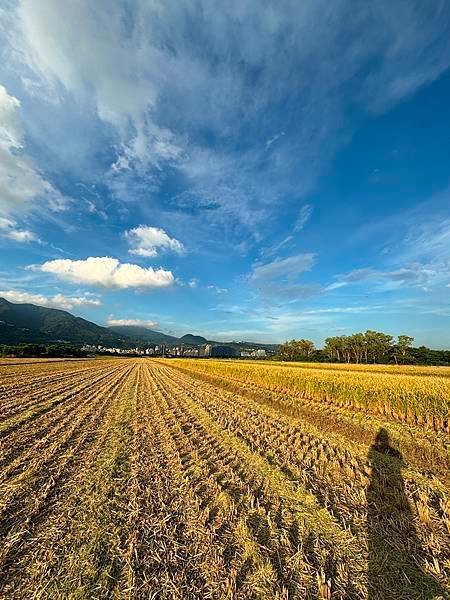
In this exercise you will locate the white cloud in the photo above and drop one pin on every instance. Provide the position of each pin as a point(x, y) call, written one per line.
point(148, 241)
point(335, 286)
point(269, 251)
point(22, 235)
point(282, 268)
point(20, 180)
point(161, 90)
point(414, 249)
point(121, 76)
point(56, 301)
point(6, 224)
point(107, 272)
point(11, 132)
point(303, 217)
point(279, 279)
point(193, 283)
point(147, 323)
point(217, 289)
point(414, 274)
point(345, 309)
point(429, 238)
point(9, 230)
point(274, 138)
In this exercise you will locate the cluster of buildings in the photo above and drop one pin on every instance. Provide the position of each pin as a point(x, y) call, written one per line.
point(208, 350)
point(259, 353)
point(105, 350)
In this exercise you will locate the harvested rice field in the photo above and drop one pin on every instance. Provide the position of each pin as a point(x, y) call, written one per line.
point(208, 479)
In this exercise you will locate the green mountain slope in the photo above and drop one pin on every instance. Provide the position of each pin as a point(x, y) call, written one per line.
point(31, 323)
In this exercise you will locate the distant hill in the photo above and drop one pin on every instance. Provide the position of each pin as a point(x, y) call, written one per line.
point(142, 334)
point(31, 323)
point(192, 340)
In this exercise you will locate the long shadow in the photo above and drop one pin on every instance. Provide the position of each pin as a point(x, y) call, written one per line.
point(395, 555)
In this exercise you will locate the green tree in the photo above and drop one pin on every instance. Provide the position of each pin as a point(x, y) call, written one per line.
point(287, 350)
point(305, 347)
point(378, 345)
point(296, 349)
point(402, 348)
point(357, 347)
point(333, 347)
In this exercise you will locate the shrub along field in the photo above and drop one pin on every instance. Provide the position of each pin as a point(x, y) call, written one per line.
point(179, 479)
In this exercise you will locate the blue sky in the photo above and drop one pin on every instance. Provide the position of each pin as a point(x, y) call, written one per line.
point(257, 170)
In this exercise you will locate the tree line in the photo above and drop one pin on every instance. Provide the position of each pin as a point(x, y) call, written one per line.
point(41, 350)
point(369, 347)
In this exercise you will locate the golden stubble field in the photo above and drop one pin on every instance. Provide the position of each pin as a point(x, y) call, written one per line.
point(139, 478)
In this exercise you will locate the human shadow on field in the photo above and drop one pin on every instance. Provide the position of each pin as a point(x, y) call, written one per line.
point(395, 555)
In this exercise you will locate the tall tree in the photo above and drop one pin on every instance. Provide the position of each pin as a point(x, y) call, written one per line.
point(378, 345)
point(333, 347)
point(357, 345)
point(402, 347)
point(306, 347)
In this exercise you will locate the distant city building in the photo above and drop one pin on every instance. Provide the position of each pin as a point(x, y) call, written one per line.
point(251, 353)
point(191, 352)
point(214, 350)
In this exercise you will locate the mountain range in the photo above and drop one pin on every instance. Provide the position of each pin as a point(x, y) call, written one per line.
point(32, 323)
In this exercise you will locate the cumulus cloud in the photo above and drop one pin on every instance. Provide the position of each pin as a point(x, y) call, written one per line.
point(20, 180)
point(107, 272)
point(56, 301)
point(148, 241)
point(147, 323)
